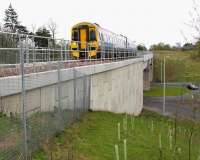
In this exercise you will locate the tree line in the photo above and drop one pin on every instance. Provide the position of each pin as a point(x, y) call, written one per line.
point(13, 25)
point(162, 46)
point(178, 46)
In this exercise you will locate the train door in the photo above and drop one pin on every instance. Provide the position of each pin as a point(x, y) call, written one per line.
point(83, 38)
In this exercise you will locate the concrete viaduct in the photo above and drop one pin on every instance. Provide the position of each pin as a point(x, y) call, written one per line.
point(115, 87)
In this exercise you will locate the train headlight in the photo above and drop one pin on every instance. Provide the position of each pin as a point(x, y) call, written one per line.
point(73, 45)
point(93, 45)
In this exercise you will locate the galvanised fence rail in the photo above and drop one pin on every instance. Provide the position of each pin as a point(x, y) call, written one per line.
point(34, 109)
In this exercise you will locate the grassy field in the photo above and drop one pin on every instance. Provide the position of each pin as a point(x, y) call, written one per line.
point(157, 91)
point(181, 66)
point(148, 138)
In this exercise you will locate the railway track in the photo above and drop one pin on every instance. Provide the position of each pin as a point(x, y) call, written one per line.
point(7, 70)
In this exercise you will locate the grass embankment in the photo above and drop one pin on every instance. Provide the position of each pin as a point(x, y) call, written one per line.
point(181, 66)
point(157, 91)
point(7, 126)
point(94, 137)
point(40, 127)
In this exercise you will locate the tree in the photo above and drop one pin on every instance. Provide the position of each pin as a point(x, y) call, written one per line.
point(141, 47)
point(188, 46)
point(160, 46)
point(11, 22)
point(194, 23)
point(0, 27)
point(42, 41)
point(22, 29)
point(52, 27)
point(33, 28)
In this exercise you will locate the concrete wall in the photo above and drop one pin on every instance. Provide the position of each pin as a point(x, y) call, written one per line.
point(146, 80)
point(119, 90)
point(148, 75)
point(115, 87)
point(40, 99)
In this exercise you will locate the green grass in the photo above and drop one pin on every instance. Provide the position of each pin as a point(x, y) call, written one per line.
point(157, 91)
point(7, 125)
point(10, 137)
point(181, 66)
point(94, 137)
point(4, 125)
point(40, 155)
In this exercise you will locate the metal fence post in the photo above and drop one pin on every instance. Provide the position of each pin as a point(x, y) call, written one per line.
point(89, 91)
point(164, 87)
point(23, 101)
point(59, 87)
point(161, 74)
point(61, 118)
point(61, 49)
point(74, 87)
point(84, 92)
point(65, 49)
point(27, 49)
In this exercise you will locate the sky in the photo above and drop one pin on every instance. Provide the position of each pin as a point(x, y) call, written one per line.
point(144, 21)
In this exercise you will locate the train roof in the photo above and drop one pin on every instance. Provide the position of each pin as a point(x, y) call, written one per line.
point(86, 23)
point(97, 26)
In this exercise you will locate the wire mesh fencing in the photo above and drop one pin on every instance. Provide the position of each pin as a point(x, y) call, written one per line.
point(41, 92)
point(38, 97)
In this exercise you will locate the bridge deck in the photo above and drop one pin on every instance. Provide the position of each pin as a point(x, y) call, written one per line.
point(15, 69)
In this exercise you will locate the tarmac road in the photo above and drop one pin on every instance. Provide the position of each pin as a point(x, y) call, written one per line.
point(185, 108)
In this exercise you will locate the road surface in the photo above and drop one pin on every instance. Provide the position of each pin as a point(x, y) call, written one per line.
point(183, 105)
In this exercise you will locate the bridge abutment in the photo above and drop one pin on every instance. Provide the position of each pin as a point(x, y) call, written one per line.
point(119, 90)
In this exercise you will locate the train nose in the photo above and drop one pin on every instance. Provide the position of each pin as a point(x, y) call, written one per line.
point(83, 54)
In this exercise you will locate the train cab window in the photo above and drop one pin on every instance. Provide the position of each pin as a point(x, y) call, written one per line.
point(92, 35)
point(75, 35)
point(108, 38)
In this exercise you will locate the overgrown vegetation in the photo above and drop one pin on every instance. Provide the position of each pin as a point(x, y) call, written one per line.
point(149, 136)
point(181, 66)
point(41, 127)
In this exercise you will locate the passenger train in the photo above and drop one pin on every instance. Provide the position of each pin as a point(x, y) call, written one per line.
point(89, 40)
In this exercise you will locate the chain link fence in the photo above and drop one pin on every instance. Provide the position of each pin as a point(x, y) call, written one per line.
point(41, 92)
point(37, 100)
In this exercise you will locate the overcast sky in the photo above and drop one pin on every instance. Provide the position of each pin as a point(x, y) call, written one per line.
point(145, 21)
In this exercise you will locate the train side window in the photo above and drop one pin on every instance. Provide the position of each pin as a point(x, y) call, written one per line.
point(102, 37)
point(75, 35)
point(107, 40)
point(92, 35)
